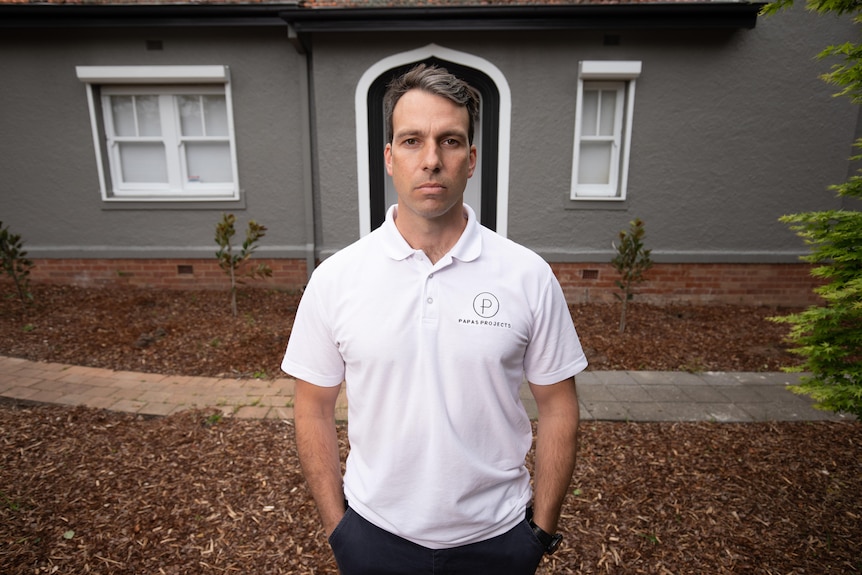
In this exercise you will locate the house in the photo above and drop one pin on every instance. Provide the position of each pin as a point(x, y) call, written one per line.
point(129, 127)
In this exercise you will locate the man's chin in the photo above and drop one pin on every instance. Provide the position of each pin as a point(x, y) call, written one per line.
point(434, 210)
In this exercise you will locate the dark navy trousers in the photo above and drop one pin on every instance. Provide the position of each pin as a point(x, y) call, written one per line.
point(362, 548)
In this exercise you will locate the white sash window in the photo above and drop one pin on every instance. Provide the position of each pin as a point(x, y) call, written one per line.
point(165, 133)
point(603, 120)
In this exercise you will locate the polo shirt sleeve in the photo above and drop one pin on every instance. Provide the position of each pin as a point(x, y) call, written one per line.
point(312, 354)
point(554, 352)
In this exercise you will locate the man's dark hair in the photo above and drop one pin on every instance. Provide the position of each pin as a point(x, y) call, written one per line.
point(434, 80)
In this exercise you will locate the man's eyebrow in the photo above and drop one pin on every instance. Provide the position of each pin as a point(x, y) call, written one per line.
point(407, 133)
point(410, 133)
point(454, 133)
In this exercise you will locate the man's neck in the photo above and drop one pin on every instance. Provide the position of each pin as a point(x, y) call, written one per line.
point(434, 236)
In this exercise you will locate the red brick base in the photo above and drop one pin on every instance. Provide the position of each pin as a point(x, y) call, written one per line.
point(750, 284)
point(160, 273)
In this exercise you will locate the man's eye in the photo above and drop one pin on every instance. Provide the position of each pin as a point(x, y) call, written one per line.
point(410, 141)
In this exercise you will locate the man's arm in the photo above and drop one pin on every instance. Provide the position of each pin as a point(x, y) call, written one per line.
point(556, 448)
point(317, 446)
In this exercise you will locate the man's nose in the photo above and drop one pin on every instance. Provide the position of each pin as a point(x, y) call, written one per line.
point(432, 157)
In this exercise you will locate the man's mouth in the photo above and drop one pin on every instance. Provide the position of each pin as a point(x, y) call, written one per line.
point(432, 186)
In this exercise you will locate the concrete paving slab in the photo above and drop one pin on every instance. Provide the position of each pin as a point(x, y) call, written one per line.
point(748, 377)
point(665, 377)
point(749, 393)
point(651, 411)
point(779, 393)
point(790, 412)
point(594, 392)
point(724, 413)
point(606, 411)
point(630, 393)
point(703, 394)
point(610, 377)
point(666, 393)
point(588, 378)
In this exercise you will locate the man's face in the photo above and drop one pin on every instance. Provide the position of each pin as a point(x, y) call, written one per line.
point(430, 157)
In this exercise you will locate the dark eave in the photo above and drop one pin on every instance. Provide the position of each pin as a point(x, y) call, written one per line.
point(54, 15)
point(530, 17)
point(304, 19)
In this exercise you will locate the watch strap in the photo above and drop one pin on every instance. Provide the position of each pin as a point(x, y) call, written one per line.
point(548, 541)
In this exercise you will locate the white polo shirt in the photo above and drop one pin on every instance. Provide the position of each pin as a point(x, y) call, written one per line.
point(433, 357)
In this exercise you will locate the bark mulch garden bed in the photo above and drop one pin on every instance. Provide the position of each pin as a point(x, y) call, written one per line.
point(90, 491)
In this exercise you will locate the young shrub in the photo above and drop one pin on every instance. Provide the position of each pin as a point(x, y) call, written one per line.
point(15, 263)
point(234, 264)
point(631, 262)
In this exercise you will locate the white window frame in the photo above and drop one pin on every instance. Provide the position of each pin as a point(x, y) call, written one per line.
point(166, 82)
point(606, 75)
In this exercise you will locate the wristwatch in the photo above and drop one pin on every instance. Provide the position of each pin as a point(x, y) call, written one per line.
point(550, 542)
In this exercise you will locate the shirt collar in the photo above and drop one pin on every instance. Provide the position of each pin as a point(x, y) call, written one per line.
point(467, 248)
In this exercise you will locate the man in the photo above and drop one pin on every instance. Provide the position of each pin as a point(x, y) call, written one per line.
point(433, 321)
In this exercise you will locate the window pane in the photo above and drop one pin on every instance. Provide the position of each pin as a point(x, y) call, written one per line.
point(149, 123)
point(589, 115)
point(190, 115)
point(609, 106)
point(208, 162)
point(123, 114)
point(215, 112)
point(594, 164)
point(143, 162)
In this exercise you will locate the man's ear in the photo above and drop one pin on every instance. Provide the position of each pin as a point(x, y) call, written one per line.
point(387, 158)
point(472, 160)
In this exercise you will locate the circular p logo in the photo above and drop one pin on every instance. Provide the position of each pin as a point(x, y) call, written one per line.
point(486, 305)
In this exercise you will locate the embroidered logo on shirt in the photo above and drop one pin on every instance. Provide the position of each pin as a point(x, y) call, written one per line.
point(486, 305)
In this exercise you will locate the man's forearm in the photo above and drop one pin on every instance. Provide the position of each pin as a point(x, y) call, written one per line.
point(556, 451)
point(317, 447)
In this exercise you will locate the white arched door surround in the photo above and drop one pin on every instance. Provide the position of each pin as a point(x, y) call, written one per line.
point(363, 161)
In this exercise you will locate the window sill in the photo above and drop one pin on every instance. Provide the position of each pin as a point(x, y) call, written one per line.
point(615, 204)
point(188, 204)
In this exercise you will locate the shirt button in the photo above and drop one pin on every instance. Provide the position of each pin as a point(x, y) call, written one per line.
point(430, 276)
point(430, 300)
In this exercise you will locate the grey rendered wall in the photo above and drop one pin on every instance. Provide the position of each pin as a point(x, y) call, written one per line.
point(49, 191)
point(732, 129)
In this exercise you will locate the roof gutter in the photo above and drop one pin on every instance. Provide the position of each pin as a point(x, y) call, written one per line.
point(670, 15)
point(141, 15)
